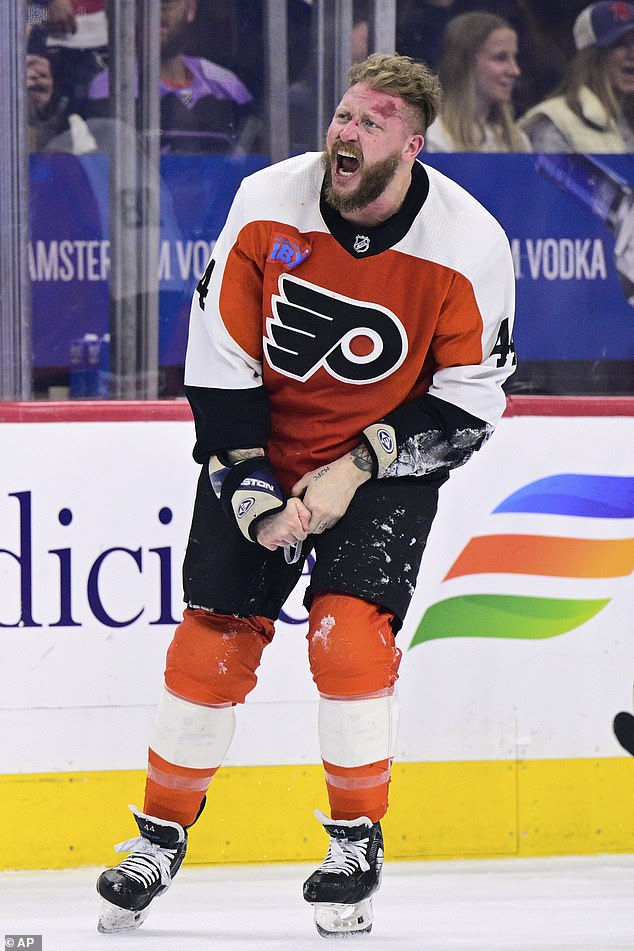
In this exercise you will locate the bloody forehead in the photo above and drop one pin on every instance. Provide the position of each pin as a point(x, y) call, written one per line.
point(388, 107)
point(375, 100)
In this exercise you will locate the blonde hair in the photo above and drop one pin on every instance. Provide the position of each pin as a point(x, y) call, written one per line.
point(402, 76)
point(464, 37)
point(587, 68)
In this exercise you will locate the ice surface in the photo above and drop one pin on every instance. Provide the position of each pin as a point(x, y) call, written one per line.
point(554, 904)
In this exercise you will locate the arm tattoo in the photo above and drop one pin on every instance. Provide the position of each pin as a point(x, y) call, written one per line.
point(239, 455)
point(362, 458)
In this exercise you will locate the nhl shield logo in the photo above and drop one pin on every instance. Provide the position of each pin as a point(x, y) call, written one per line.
point(361, 243)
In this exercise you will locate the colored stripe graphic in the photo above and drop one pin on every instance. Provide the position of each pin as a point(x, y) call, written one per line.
point(593, 496)
point(541, 555)
point(513, 616)
point(506, 616)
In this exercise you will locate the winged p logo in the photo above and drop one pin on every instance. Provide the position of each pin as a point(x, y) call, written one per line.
point(312, 327)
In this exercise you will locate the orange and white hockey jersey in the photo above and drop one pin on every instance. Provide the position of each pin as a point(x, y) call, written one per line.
point(305, 329)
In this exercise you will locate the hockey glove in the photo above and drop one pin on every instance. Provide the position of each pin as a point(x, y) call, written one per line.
point(248, 491)
point(380, 439)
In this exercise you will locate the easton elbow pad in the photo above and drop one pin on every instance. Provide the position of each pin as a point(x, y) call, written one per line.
point(248, 491)
point(380, 439)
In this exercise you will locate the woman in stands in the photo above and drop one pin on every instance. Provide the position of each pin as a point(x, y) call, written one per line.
point(593, 109)
point(478, 71)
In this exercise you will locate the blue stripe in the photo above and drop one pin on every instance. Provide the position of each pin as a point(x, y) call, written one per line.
point(590, 496)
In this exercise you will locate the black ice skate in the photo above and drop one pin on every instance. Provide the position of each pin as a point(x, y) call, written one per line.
point(341, 889)
point(128, 888)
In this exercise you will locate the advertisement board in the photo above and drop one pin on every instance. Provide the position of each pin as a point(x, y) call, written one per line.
point(570, 221)
point(517, 639)
point(517, 648)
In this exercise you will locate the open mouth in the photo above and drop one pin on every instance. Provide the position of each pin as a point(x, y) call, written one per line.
point(347, 162)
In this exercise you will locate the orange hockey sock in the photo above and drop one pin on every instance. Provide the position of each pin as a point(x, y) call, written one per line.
point(354, 661)
point(174, 792)
point(210, 668)
point(358, 791)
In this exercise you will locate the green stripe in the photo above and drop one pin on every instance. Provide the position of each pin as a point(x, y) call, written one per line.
point(499, 615)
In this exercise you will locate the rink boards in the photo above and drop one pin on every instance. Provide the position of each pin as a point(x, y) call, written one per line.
point(518, 648)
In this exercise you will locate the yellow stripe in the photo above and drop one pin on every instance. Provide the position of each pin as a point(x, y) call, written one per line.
point(264, 814)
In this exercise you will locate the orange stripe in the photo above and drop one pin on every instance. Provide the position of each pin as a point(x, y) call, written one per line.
point(358, 790)
point(540, 555)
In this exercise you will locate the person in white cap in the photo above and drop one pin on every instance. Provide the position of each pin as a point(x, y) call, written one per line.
point(593, 109)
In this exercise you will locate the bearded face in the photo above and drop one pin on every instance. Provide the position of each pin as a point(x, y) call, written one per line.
point(176, 17)
point(372, 179)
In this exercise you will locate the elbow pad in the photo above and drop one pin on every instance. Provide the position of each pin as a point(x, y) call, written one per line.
point(248, 491)
point(380, 438)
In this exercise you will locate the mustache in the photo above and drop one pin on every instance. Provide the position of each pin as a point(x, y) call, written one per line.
point(349, 147)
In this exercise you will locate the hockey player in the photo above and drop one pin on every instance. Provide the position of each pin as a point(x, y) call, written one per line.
point(347, 348)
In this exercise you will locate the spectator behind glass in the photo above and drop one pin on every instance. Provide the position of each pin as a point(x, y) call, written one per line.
point(593, 109)
point(52, 128)
point(478, 71)
point(73, 35)
point(542, 62)
point(421, 24)
point(204, 107)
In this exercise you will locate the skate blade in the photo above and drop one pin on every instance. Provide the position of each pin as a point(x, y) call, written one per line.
point(113, 919)
point(341, 921)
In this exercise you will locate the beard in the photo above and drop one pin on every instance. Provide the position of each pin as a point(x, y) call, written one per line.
point(175, 41)
point(373, 181)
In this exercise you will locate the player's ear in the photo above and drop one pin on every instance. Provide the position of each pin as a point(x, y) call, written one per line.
point(414, 145)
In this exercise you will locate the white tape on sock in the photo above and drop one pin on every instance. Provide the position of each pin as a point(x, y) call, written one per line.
point(191, 734)
point(355, 732)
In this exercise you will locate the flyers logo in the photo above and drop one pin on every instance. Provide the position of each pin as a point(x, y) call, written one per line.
point(355, 341)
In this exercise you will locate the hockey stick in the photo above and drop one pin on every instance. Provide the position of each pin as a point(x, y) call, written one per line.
point(623, 727)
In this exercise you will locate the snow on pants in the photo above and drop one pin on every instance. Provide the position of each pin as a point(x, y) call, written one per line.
point(361, 584)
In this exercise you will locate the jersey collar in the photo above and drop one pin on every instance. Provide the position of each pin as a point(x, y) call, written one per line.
point(365, 242)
